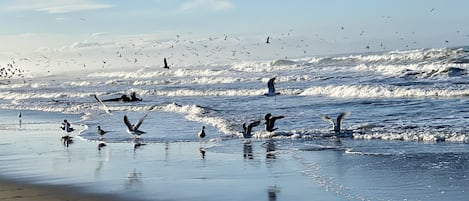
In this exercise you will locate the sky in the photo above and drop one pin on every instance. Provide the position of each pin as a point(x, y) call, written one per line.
point(31, 24)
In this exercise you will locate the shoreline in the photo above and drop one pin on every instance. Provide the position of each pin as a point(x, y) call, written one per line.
point(37, 166)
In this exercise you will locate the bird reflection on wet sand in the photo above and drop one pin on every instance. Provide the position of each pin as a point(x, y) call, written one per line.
point(247, 150)
point(269, 149)
point(134, 180)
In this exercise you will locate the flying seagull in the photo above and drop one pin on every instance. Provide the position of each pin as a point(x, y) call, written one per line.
point(133, 128)
point(271, 87)
point(248, 129)
point(270, 122)
point(336, 124)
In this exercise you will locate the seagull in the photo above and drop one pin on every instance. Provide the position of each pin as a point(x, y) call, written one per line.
point(165, 63)
point(19, 119)
point(133, 129)
point(66, 126)
point(336, 125)
point(247, 130)
point(271, 87)
point(101, 132)
point(270, 122)
point(201, 133)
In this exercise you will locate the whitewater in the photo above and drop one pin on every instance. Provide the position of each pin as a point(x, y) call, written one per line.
point(403, 103)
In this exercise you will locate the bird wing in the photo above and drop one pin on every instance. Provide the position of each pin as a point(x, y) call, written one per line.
point(140, 121)
point(127, 123)
point(253, 124)
point(106, 109)
point(342, 117)
point(328, 119)
point(277, 117)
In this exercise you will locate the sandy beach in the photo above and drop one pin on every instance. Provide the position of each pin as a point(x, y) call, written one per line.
point(36, 165)
point(12, 190)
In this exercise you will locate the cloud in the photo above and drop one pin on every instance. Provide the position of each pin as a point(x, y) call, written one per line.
point(212, 5)
point(57, 6)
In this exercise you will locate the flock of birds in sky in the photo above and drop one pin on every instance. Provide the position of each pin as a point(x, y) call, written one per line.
point(133, 53)
point(12, 71)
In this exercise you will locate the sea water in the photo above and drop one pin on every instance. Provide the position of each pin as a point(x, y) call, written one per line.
point(408, 121)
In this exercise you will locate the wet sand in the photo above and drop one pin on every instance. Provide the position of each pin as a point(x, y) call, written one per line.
point(36, 165)
point(16, 191)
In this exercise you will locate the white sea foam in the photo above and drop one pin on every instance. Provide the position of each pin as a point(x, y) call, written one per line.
point(369, 91)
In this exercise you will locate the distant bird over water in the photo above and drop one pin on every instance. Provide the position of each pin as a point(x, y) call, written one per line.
point(165, 63)
point(270, 122)
point(267, 40)
point(247, 130)
point(271, 87)
point(133, 128)
point(336, 124)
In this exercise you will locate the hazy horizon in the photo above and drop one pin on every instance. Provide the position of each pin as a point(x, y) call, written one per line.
point(329, 26)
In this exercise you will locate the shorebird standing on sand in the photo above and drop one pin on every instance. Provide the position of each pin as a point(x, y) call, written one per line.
point(19, 119)
point(66, 126)
point(101, 132)
point(201, 133)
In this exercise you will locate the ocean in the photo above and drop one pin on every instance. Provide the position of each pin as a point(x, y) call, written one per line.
point(407, 132)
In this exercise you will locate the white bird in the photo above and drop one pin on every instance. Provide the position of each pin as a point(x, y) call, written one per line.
point(201, 133)
point(336, 124)
point(271, 87)
point(248, 129)
point(133, 129)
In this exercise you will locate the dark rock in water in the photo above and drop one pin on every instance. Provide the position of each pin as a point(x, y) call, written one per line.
point(454, 72)
point(283, 62)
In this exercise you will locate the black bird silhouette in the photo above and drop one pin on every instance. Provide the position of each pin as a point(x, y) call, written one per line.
point(248, 129)
point(270, 122)
point(165, 63)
